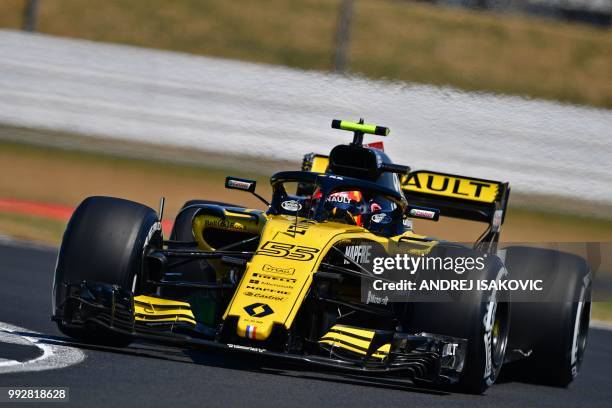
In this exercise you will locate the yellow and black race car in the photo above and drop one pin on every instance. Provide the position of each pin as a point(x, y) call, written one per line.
point(318, 277)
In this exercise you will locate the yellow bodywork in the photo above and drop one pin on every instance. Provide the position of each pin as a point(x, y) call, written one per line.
point(280, 273)
point(354, 339)
point(244, 222)
point(247, 221)
point(278, 277)
point(319, 164)
point(149, 309)
point(447, 185)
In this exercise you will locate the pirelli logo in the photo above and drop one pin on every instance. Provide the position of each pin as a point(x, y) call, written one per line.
point(273, 278)
point(274, 269)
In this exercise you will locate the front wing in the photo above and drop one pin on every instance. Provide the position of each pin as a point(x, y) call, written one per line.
point(425, 357)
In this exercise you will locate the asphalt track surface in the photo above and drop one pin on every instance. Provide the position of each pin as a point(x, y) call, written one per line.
point(149, 376)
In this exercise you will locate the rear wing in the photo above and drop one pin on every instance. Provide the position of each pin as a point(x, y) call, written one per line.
point(432, 194)
point(455, 196)
point(461, 197)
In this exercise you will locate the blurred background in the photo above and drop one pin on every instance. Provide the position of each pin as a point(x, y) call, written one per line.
point(144, 98)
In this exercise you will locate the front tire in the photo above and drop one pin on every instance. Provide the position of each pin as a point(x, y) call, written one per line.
point(104, 242)
point(480, 317)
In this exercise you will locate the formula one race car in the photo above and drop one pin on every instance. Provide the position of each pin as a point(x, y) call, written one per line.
point(296, 281)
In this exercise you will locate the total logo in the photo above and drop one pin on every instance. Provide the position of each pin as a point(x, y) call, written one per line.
point(358, 253)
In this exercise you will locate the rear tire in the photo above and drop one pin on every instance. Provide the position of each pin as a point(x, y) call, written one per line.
point(552, 332)
point(104, 242)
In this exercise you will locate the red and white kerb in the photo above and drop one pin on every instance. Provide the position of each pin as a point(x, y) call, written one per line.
point(250, 332)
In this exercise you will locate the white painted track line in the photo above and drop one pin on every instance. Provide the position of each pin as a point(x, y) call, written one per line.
point(53, 356)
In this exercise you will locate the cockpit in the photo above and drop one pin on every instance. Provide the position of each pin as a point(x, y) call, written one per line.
point(332, 198)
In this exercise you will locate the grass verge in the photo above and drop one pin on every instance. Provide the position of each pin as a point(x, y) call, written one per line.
point(36, 229)
point(62, 176)
point(602, 311)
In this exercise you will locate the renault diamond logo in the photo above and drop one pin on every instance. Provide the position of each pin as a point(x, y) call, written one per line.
point(258, 310)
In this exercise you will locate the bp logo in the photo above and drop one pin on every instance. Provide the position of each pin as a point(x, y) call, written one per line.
point(258, 310)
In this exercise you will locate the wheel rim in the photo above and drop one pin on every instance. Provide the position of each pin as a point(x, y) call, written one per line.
point(499, 334)
point(583, 330)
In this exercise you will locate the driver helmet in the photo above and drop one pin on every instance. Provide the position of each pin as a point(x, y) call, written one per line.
point(352, 202)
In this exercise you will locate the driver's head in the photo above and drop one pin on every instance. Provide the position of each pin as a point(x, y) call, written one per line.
point(347, 204)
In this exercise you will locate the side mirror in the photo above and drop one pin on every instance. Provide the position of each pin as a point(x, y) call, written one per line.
point(424, 213)
point(235, 183)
